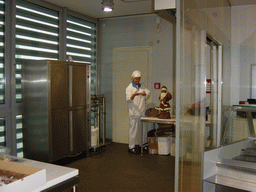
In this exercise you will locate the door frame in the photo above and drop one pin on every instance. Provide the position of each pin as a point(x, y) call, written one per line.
point(147, 82)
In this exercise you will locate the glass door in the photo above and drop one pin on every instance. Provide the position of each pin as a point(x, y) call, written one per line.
point(201, 25)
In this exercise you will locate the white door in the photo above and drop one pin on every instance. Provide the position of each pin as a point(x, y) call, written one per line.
point(125, 61)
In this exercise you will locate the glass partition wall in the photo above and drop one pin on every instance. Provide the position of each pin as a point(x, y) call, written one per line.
point(203, 86)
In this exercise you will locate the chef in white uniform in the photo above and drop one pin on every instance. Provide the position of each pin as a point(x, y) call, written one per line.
point(136, 95)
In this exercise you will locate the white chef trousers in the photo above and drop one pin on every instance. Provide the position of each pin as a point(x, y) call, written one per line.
point(135, 132)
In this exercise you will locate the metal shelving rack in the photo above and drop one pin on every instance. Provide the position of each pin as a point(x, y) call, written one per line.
point(99, 102)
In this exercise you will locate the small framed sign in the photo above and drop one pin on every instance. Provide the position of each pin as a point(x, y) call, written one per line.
point(157, 85)
point(208, 86)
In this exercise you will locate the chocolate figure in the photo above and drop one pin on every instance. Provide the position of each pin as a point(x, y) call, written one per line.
point(164, 107)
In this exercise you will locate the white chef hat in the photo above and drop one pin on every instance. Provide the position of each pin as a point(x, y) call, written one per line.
point(136, 74)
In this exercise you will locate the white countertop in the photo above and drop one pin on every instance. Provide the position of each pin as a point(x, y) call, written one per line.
point(55, 174)
point(157, 120)
point(184, 119)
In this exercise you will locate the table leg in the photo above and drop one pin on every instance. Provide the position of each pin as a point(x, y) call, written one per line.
point(74, 188)
point(141, 140)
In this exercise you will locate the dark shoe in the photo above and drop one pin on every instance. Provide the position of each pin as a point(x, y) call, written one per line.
point(133, 150)
point(145, 148)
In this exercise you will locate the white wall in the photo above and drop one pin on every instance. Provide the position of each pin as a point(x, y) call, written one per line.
point(135, 31)
point(243, 41)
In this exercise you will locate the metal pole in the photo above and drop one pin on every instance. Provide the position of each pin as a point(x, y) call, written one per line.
point(104, 119)
point(99, 124)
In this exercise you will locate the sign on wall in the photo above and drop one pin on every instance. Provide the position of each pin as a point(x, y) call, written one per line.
point(208, 86)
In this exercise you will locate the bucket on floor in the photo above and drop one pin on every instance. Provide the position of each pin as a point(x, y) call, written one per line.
point(172, 148)
point(94, 136)
point(164, 145)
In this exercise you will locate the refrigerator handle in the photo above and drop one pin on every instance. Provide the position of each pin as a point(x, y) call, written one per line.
point(70, 75)
point(71, 131)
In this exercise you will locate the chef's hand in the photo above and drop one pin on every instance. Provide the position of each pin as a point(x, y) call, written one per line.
point(143, 93)
point(135, 94)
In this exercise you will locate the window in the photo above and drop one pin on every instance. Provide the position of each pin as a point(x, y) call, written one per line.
point(19, 136)
point(37, 36)
point(2, 70)
point(81, 44)
point(2, 132)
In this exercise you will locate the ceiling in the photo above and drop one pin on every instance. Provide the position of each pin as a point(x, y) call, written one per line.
point(93, 8)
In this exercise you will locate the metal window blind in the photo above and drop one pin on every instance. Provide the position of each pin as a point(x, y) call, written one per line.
point(19, 136)
point(37, 36)
point(2, 73)
point(2, 70)
point(81, 44)
point(2, 132)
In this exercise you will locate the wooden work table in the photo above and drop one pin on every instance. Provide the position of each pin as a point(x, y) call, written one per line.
point(153, 120)
point(188, 121)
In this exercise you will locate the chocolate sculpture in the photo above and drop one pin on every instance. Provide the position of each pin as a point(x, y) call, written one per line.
point(164, 106)
point(161, 112)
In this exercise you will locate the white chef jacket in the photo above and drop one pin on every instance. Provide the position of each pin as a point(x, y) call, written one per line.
point(137, 106)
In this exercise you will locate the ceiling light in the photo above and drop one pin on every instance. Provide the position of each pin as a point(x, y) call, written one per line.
point(107, 5)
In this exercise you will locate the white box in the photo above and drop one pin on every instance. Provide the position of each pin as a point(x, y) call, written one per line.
point(164, 145)
point(165, 4)
point(172, 146)
point(94, 136)
point(36, 177)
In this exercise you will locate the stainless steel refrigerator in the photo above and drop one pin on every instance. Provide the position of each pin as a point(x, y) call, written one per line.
point(56, 109)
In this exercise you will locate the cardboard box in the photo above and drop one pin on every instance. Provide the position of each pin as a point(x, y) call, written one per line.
point(152, 145)
point(35, 178)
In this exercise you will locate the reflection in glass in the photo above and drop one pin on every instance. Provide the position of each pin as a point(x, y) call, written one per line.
point(205, 51)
